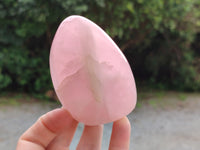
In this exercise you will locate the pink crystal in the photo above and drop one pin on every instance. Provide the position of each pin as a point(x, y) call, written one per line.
point(91, 76)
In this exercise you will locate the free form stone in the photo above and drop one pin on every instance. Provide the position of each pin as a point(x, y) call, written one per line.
point(91, 76)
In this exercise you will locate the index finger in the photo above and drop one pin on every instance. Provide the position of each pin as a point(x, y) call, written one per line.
point(45, 130)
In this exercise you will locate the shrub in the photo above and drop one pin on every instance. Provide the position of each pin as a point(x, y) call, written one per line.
point(162, 36)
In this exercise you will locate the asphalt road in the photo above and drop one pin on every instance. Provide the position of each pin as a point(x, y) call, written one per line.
point(167, 122)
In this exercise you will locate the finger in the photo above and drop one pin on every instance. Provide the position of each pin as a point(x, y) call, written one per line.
point(120, 137)
point(44, 130)
point(63, 140)
point(91, 138)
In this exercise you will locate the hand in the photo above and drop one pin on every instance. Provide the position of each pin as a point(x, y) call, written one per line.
point(55, 130)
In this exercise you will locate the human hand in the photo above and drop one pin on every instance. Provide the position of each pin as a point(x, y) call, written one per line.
point(55, 130)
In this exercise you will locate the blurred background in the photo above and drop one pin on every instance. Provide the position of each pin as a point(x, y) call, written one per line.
point(159, 38)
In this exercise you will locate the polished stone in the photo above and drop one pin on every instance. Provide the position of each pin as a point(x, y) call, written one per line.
point(91, 76)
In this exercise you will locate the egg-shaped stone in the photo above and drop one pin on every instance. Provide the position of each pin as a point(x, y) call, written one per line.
point(90, 74)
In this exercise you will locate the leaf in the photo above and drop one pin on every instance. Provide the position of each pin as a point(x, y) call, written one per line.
point(130, 7)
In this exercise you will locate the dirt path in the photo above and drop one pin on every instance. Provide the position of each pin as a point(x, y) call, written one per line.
point(160, 122)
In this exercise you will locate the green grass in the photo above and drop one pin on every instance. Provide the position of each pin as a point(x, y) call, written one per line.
point(160, 94)
point(139, 104)
point(9, 101)
point(182, 97)
point(153, 102)
point(16, 99)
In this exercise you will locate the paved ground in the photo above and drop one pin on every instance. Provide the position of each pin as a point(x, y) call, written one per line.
point(160, 122)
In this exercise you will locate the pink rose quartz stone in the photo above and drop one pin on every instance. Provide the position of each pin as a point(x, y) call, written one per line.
point(91, 76)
